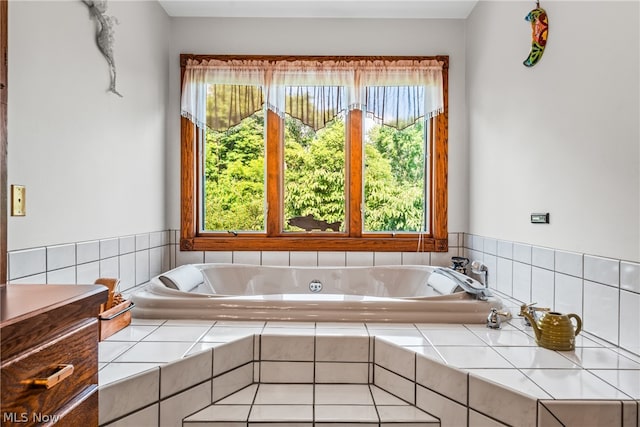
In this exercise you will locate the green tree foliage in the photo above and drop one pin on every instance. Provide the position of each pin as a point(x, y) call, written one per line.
point(394, 175)
point(314, 171)
point(234, 188)
point(234, 177)
point(403, 149)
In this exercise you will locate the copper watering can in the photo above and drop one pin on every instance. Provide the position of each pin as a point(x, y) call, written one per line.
point(554, 330)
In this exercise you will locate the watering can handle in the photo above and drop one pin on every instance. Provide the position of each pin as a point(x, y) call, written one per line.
point(578, 322)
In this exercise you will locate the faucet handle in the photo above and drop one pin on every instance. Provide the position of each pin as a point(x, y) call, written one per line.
point(531, 311)
point(527, 308)
point(531, 308)
point(534, 309)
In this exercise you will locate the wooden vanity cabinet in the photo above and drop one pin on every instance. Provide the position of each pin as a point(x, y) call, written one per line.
point(49, 354)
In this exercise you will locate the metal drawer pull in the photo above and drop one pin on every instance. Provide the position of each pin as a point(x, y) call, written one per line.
point(61, 372)
point(113, 316)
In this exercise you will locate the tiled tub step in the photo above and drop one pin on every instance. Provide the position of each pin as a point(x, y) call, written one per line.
point(302, 405)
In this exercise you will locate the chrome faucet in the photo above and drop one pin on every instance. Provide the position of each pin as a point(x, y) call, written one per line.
point(465, 282)
point(479, 268)
point(494, 319)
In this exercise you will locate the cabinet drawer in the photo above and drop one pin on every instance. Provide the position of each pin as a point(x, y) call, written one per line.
point(19, 394)
point(36, 324)
point(83, 411)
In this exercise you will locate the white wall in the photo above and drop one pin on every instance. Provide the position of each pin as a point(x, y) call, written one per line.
point(561, 137)
point(326, 37)
point(93, 163)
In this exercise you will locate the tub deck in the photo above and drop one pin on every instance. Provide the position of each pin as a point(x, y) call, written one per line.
point(526, 383)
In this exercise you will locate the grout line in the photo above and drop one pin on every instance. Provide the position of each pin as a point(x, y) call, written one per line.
point(315, 361)
point(619, 319)
point(614, 386)
point(415, 377)
point(253, 401)
point(467, 405)
point(375, 404)
point(260, 358)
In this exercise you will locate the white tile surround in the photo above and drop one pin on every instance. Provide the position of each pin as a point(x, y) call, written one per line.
point(605, 292)
point(195, 373)
point(133, 259)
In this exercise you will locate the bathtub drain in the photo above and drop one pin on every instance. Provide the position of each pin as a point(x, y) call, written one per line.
point(315, 286)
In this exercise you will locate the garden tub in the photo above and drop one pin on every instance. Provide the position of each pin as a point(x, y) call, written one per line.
point(403, 293)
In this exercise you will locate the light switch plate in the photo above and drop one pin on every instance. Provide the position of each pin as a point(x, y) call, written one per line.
point(18, 200)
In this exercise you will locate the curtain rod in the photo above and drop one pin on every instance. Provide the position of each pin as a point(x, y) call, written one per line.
point(186, 56)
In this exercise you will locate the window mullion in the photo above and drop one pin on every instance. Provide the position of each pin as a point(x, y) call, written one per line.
point(187, 182)
point(354, 173)
point(274, 147)
point(440, 164)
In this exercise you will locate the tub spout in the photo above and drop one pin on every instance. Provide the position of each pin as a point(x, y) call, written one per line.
point(466, 283)
point(481, 269)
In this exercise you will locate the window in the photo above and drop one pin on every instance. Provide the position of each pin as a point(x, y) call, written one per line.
point(322, 153)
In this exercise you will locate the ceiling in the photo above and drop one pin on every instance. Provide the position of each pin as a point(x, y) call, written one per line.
point(420, 9)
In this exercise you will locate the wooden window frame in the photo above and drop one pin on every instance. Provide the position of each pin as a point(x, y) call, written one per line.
point(191, 239)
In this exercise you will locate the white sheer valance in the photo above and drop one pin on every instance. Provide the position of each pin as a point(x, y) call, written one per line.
point(312, 91)
point(220, 93)
point(398, 93)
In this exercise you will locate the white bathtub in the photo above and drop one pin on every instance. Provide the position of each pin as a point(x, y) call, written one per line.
point(366, 294)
